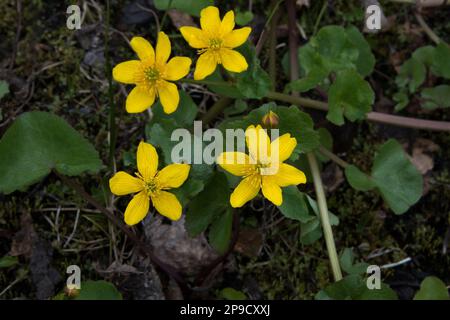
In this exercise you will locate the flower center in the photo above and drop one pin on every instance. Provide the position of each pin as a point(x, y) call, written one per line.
point(151, 187)
point(215, 44)
point(152, 74)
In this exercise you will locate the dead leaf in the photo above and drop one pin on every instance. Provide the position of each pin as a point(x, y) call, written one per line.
point(180, 19)
point(172, 244)
point(249, 242)
point(22, 243)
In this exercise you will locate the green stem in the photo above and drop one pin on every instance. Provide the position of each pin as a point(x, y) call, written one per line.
point(327, 153)
point(112, 105)
point(324, 217)
point(430, 33)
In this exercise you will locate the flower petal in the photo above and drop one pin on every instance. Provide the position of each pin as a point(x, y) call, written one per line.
point(143, 49)
point(227, 23)
point(137, 209)
point(194, 36)
point(147, 160)
point(123, 183)
point(173, 176)
point(284, 145)
point(237, 163)
point(139, 100)
point(168, 205)
point(125, 72)
point(236, 37)
point(168, 94)
point(163, 48)
point(206, 64)
point(258, 143)
point(177, 68)
point(232, 60)
point(246, 190)
point(271, 190)
point(210, 20)
point(288, 175)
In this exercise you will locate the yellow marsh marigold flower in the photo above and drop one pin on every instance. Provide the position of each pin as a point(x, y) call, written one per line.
point(151, 75)
point(263, 168)
point(215, 41)
point(150, 185)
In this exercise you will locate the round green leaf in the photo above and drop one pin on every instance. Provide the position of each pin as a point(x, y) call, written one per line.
point(436, 97)
point(432, 288)
point(358, 179)
point(220, 231)
point(98, 290)
point(396, 178)
point(349, 95)
point(38, 142)
point(294, 205)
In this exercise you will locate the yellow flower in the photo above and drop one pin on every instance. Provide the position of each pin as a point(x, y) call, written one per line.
point(263, 168)
point(215, 41)
point(150, 185)
point(151, 75)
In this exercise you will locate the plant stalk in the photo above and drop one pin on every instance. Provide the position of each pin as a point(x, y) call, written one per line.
point(371, 116)
point(324, 217)
point(321, 200)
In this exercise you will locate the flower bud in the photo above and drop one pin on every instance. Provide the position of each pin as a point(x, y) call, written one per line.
point(270, 120)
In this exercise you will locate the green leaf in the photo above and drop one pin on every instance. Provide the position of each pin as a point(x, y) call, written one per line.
point(243, 17)
point(346, 260)
point(437, 97)
point(432, 288)
point(232, 294)
point(8, 261)
point(208, 204)
point(333, 49)
point(402, 100)
point(253, 83)
point(425, 55)
point(224, 87)
point(98, 290)
point(441, 61)
point(220, 231)
point(4, 88)
point(183, 116)
point(366, 60)
point(334, 220)
point(411, 75)
point(396, 178)
point(159, 132)
point(310, 81)
point(38, 142)
point(294, 205)
point(192, 7)
point(310, 231)
point(349, 95)
point(358, 179)
point(393, 175)
point(354, 287)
